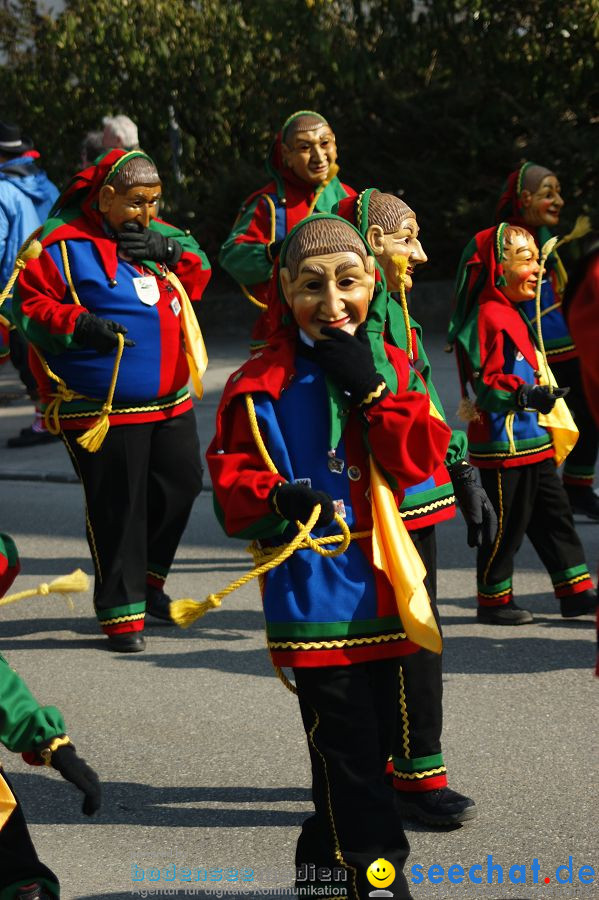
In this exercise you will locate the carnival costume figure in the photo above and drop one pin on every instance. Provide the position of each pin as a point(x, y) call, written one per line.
point(419, 771)
point(106, 307)
point(331, 413)
point(302, 165)
point(532, 199)
point(38, 733)
point(519, 427)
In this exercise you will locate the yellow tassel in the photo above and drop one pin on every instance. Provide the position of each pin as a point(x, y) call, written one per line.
point(93, 438)
point(66, 584)
point(582, 226)
point(467, 411)
point(186, 611)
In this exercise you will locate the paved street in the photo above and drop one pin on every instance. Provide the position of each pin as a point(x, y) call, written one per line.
point(200, 748)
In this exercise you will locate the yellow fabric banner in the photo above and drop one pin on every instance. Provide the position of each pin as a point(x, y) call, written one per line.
point(559, 421)
point(195, 349)
point(395, 555)
point(7, 802)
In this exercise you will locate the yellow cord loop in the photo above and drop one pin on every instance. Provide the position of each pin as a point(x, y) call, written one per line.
point(31, 249)
point(93, 438)
point(186, 611)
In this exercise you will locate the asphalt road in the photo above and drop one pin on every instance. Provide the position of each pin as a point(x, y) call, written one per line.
point(200, 748)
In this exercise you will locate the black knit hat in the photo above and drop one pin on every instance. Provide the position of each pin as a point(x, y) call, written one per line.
point(11, 141)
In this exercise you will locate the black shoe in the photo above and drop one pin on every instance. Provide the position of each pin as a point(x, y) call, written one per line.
point(508, 614)
point(158, 605)
point(578, 604)
point(583, 500)
point(30, 438)
point(32, 892)
point(129, 642)
point(438, 807)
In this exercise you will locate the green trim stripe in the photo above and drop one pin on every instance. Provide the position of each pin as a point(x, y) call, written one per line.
point(499, 588)
point(569, 574)
point(419, 763)
point(297, 630)
point(127, 609)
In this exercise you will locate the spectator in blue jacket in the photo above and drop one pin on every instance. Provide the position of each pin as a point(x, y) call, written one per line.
point(26, 197)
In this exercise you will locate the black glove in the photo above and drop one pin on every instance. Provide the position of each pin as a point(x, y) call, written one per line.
point(475, 505)
point(273, 249)
point(99, 334)
point(347, 359)
point(76, 770)
point(296, 502)
point(138, 242)
point(540, 396)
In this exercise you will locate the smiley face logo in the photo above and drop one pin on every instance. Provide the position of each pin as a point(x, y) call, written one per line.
point(380, 873)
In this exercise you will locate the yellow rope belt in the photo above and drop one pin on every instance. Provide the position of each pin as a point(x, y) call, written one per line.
point(186, 611)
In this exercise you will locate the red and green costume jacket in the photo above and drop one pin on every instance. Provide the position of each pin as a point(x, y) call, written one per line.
point(432, 500)
point(266, 217)
point(495, 352)
point(321, 611)
point(24, 724)
point(559, 345)
point(153, 375)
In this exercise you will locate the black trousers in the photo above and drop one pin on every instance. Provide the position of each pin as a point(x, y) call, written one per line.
point(19, 863)
point(348, 716)
point(19, 356)
point(139, 491)
point(530, 500)
point(417, 760)
point(580, 464)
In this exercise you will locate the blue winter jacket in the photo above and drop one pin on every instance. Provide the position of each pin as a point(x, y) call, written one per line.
point(26, 197)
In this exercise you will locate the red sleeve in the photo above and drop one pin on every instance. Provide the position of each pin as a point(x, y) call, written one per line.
point(492, 362)
point(240, 479)
point(42, 306)
point(404, 438)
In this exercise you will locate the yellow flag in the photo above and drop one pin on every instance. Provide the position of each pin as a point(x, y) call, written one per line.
point(559, 421)
point(195, 349)
point(394, 553)
point(7, 802)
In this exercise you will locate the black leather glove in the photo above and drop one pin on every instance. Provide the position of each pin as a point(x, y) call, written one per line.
point(99, 334)
point(347, 359)
point(296, 502)
point(540, 396)
point(273, 249)
point(144, 243)
point(76, 770)
point(476, 507)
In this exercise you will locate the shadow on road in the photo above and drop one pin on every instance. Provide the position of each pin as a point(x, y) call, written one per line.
point(48, 801)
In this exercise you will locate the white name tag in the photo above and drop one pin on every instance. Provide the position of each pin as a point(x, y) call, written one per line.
point(146, 288)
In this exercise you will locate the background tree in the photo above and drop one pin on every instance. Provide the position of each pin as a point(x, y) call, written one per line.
point(437, 100)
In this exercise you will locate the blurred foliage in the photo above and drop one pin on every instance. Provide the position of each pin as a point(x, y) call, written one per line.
point(438, 99)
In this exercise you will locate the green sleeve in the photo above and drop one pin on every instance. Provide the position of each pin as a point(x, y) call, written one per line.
point(23, 722)
point(247, 261)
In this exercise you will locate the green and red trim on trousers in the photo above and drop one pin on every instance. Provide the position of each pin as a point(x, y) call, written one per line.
point(129, 617)
point(578, 476)
point(566, 583)
point(423, 773)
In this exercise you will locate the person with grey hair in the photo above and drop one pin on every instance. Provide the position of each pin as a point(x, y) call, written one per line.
point(119, 131)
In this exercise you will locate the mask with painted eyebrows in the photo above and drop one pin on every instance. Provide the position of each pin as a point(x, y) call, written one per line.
point(320, 237)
